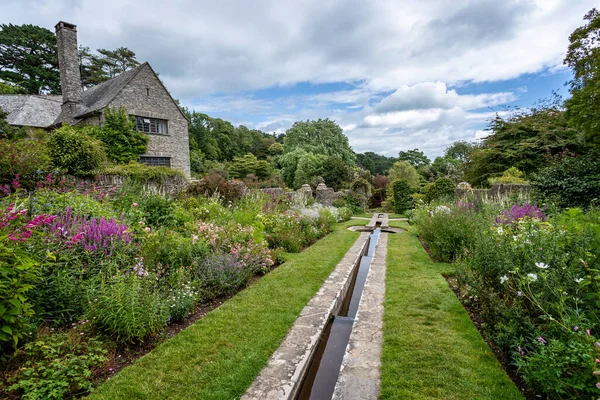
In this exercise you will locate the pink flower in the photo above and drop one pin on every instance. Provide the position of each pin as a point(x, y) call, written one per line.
point(588, 332)
point(147, 229)
point(135, 204)
point(598, 385)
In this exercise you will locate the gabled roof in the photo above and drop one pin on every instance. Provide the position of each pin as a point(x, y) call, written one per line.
point(31, 110)
point(45, 111)
point(100, 96)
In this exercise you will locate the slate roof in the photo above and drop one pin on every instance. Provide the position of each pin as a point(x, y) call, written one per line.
point(45, 111)
point(31, 110)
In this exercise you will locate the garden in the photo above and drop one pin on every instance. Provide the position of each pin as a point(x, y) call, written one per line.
point(529, 276)
point(90, 276)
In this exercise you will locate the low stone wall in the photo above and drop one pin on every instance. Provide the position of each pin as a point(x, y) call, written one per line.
point(496, 191)
point(166, 186)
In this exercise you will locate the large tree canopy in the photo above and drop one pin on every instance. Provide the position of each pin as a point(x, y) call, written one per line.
point(415, 157)
point(525, 140)
point(97, 68)
point(323, 136)
point(28, 58)
point(583, 56)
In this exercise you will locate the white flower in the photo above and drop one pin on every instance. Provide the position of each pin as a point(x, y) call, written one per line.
point(578, 280)
point(515, 238)
point(503, 279)
point(532, 277)
point(500, 230)
point(542, 265)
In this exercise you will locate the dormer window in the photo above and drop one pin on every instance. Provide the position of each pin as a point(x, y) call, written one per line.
point(153, 126)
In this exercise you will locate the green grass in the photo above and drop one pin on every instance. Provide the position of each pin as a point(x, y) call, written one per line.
point(219, 356)
point(431, 348)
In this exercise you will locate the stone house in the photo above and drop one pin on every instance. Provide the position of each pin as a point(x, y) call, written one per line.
point(139, 91)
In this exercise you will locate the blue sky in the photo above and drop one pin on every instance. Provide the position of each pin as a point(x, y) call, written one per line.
point(395, 74)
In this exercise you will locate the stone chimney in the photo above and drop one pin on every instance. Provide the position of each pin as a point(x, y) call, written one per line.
point(68, 63)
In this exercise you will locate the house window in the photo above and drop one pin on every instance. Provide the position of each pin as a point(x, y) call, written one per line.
point(156, 161)
point(152, 125)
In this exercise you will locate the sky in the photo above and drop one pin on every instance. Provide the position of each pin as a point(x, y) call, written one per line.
point(395, 75)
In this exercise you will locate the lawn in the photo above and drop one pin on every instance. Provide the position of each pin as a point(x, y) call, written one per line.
point(219, 356)
point(431, 348)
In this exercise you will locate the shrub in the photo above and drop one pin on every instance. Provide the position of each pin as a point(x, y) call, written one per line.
point(26, 158)
point(448, 231)
point(442, 188)
point(58, 366)
point(569, 181)
point(240, 167)
point(511, 175)
point(402, 196)
point(72, 150)
point(122, 142)
point(127, 306)
point(221, 274)
point(216, 183)
point(140, 172)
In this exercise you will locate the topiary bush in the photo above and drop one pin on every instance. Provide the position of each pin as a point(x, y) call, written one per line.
point(402, 196)
point(72, 150)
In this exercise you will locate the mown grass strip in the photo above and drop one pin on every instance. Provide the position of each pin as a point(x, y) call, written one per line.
point(219, 356)
point(431, 349)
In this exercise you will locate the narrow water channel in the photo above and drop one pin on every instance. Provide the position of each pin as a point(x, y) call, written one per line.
point(319, 383)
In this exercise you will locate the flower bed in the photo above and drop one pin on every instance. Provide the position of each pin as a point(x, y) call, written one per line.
point(93, 272)
point(534, 275)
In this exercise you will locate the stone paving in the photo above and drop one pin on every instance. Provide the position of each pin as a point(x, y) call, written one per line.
point(360, 371)
point(282, 376)
point(359, 376)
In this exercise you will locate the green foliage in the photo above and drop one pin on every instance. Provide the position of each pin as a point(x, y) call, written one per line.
point(6, 88)
point(72, 150)
point(402, 196)
point(275, 149)
point(442, 188)
point(18, 273)
point(448, 231)
point(321, 137)
point(28, 58)
point(8, 131)
point(460, 150)
point(140, 172)
point(58, 366)
point(23, 157)
point(404, 170)
point(523, 140)
point(335, 173)
point(415, 157)
point(127, 307)
point(583, 56)
point(444, 166)
point(240, 167)
point(300, 167)
point(511, 175)
point(98, 68)
point(375, 163)
point(122, 142)
point(570, 181)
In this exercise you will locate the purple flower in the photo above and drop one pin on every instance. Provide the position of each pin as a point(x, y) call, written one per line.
point(542, 340)
point(519, 293)
point(575, 328)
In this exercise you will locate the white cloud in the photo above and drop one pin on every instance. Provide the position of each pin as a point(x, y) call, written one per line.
point(211, 54)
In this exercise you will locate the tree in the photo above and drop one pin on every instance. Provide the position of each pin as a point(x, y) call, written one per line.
point(28, 58)
point(323, 136)
point(8, 131)
point(405, 171)
point(240, 167)
point(72, 150)
point(583, 56)
point(460, 150)
point(402, 192)
point(525, 139)
point(98, 68)
point(335, 173)
point(415, 157)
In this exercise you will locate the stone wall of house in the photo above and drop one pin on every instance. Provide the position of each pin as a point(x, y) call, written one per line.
point(145, 96)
